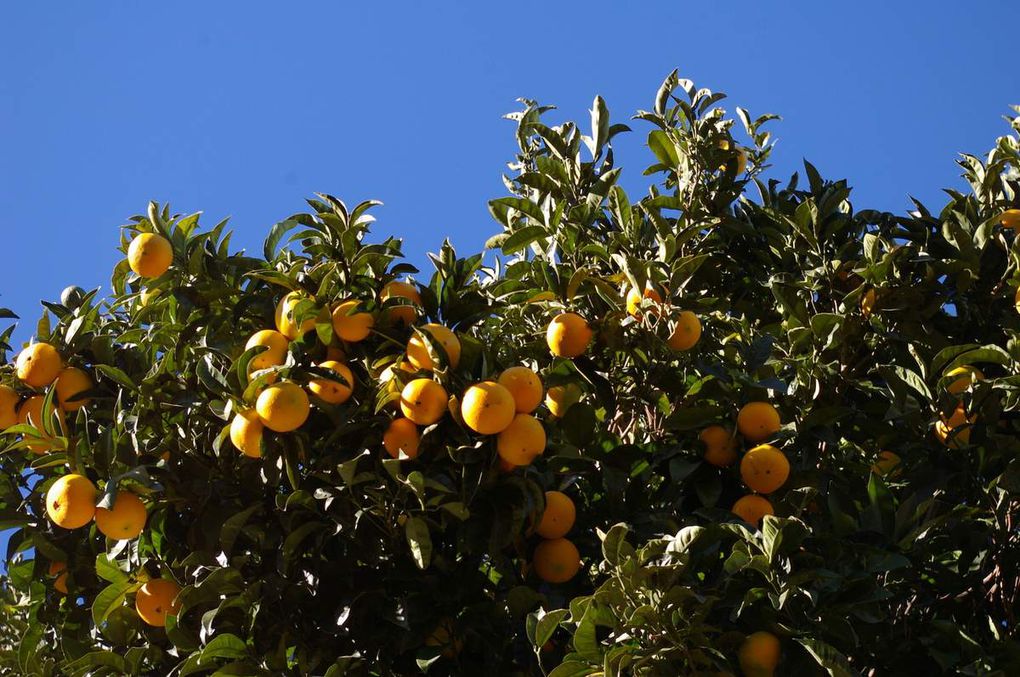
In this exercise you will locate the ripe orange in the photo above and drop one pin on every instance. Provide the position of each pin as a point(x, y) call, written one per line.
point(1010, 219)
point(38, 365)
point(246, 432)
point(558, 517)
point(686, 332)
point(402, 313)
point(275, 353)
point(125, 520)
point(720, 446)
point(752, 508)
point(150, 255)
point(759, 654)
point(634, 298)
point(156, 600)
point(423, 401)
point(525, 386)
point(330, 390)
point(757, 421)
point(71, 501)
point(286, 323)
point(556, 560)
point(71, 382)
point(418, 353)
point(954, 431)
point(350, 324)
point(560, 398)
point(31, 413)
point(764, 469)
point(521, 441)
point(60, 584)
point(965, 376)
point(8, 406)
point(568, 335)
point(401, 436)
point(886, 463)
point(283, 407)
point(487, 408)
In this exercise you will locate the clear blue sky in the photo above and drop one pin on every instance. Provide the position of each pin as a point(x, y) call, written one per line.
point(244, 109)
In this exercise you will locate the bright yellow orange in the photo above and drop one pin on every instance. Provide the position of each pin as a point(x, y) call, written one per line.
point(954, 431)
point(759, 654)
point(1010, 219)
point(60, 584)
point(125, 520)
point(764, 469)
point(568, 335)
point(487, 408)
point(521, 441)
point(418, 353)
point(72, 381)
point(720, 446)
point(246, 432)
point(634, 299)
point(156, 600)
point(8, 407)
point(350, 324)
point(71, 501)
point(558, 516)
point(401, 437)
point(332, 391)
point(752, 508)
point(757, 421)
point(148, 295)
point(275, 353)
point(525, 386)
point(686, 331)
point(286, 323)
point(560, 398)
point(556, 560)
point(423, 401)
point(38, 365)
point(150, 255)
point(965, 376)
point(283, 407)
point(31, 413)
point(403, 313)
point(886, 463)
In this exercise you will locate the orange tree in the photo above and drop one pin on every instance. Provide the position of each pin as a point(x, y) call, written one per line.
point(735, 426)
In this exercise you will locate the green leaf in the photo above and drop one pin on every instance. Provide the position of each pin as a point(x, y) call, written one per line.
point(418, 537)
point(111, 598)
point(541, 625)
point(117, 375)
point(109, 570)
point(835, 663)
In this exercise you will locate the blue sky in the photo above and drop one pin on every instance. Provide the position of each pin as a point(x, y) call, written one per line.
point(244, 109)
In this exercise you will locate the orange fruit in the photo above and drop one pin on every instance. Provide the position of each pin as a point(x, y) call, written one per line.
point(246, 432)
point(286, 322)
point(886, 463)
point(445, 637)
point(720, 446)
point(560, 398)
point(275, 353)
point(282, 407)
point(868, 302)
point(556, 560)
point(757, 421)
point(350, 324)
point(156, 600)
point(764, 469)
point(38, 365)
point(686, 331)
point(505, 466)
point(759, 654)
point(125, 520)
point(71, 501)
point(525, 386)
point(150, 255)
point(8, 406)
point(418, 352)
point(568, 335)
point(31, 413)
point(521, 441)
point(336, 354)
point(1010, 219)
point(634, 299)
point(401, 313)
point(423, 401)
point(148, 295)
point(72, 381)
point(487, 408)
point(752, 508)
point(724, 144)
point(965, 376)
point(558, 516)
point(401, 436)
point(333, 391)
point(954, 431)
point(60, 584)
